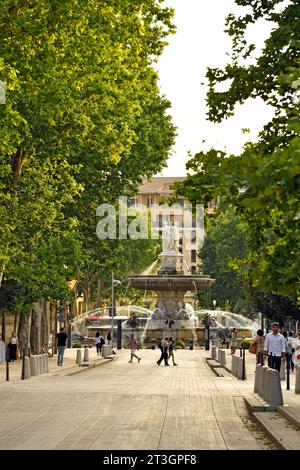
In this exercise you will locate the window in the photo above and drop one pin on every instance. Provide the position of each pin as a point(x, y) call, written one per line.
point(133, 202)
point(193, 256)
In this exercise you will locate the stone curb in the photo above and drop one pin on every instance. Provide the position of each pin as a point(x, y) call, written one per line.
point(268, 431)
point(254, 405)
point(215, 366)
point(73, 370)
point(286, 413)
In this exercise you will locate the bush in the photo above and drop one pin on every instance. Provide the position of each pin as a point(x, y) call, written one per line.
point(179, 344)
point(76, 345)
point(245, 344)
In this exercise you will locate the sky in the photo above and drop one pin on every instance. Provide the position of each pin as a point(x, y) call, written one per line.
point(200, 42)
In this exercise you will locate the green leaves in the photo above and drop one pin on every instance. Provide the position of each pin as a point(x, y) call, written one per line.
point(263, 183)
point(83, 123)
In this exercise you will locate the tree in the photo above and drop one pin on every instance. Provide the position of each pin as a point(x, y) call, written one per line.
point(82, 123)
point(263, 182)
point(225, 243)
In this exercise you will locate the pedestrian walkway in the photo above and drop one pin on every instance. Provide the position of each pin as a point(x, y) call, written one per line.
point(130, 406)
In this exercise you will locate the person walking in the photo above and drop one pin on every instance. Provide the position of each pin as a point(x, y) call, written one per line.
point(61, 341)
point(108, 337)
point(171, 350)
point(13, 346)
point(133, 347)
point(233, 340)
point(98, 343)
point(164, 351)
point(275, 347)
point(296, 347)
point(260, 342)
point(291, 350)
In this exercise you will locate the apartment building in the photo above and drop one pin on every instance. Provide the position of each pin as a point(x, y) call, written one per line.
point(153, 193)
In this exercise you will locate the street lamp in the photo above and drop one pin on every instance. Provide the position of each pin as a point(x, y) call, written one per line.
point(207, 320)
point(114, 282)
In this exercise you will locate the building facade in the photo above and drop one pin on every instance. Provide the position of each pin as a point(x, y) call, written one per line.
point(154, 193)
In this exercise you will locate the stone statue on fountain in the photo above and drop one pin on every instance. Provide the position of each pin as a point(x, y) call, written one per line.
point(170, 236)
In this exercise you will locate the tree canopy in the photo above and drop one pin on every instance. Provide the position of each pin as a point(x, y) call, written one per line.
point(82, 124)
point(263, 182)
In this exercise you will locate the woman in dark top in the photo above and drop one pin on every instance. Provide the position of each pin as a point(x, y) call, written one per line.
point(12, 346)
point(171, 350)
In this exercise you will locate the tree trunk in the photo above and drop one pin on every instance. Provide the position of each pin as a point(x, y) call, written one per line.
point(3, 326)
point(23, 331)
point(15, 322)
point(87, 291)
point(52, 314)
point(45, 325)
point(35, 330)
point(100, 289)
point(1, 275)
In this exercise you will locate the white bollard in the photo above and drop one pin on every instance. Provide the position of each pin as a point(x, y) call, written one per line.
point(234, 365)
point(78, 356)
point(257, 379)
point(86, 356)
point(222, 357)
point(33, 366)
point(47, 363)
point(106, 350)
point(26, 368)
point(297, 384)
point(282, 370)
point(213, 352)
point(263, 389)
point(219, 355)
point(38, 364)
point(274, 388)
point(43, 363)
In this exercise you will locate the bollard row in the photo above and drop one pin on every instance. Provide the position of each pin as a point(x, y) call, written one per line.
point(36, 365)
point(267, 384)
point(218, 355)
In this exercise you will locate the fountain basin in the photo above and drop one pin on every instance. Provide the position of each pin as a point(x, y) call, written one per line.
point(174, 283)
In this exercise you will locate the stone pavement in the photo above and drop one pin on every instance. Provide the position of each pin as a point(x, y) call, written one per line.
point(131, 406)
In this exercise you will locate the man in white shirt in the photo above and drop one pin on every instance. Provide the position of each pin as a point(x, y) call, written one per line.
point(275, 347)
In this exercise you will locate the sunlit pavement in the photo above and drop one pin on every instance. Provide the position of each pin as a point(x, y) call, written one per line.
point(130, 406)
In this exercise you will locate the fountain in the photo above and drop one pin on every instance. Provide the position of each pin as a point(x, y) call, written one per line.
point(171, 315)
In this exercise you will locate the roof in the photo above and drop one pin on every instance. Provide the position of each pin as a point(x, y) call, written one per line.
point(159, 184)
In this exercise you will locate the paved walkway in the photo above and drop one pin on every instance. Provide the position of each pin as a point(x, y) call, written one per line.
point(130, 406)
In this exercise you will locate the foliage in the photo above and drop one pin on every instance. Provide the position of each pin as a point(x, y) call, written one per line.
point(245, 343)
point(179, 344)
point(263, 182)
point(82, 124)
point(224, 245)
point(76, 345)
